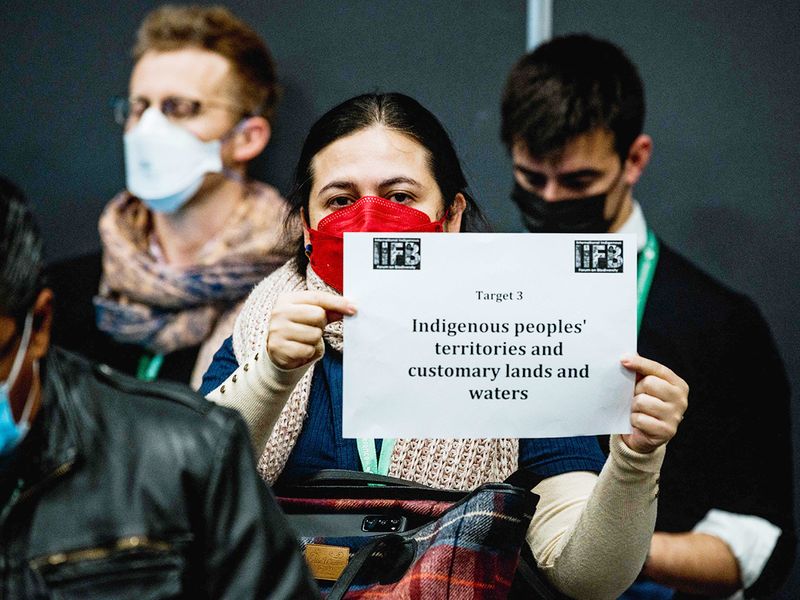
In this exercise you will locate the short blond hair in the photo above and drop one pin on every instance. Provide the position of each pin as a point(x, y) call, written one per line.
point(217, 30)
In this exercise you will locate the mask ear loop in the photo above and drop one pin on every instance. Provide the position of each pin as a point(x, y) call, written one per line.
point(21, 352)
point(235, 130)
point(307, 248)
point(24, 420)
point(445, 218)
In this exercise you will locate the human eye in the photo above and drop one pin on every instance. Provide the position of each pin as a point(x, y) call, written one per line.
point(136, 108)
point(176, 107)
point(535, 180)
point(339, 201)
point(578, 184)
point(400, 197)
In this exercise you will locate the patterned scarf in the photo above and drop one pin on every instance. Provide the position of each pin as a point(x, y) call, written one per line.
point(461, 464)
point(150, 303)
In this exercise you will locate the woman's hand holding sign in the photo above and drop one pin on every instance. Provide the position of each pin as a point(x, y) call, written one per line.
point(296, 325)
point(660, 399)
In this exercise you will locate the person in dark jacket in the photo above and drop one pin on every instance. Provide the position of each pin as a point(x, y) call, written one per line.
point(115, 488)
point(572, 120)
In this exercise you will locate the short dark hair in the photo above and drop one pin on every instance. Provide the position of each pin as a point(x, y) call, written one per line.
point(216, 29)
point(567, 87)
point(21, 253)
point(396, 112)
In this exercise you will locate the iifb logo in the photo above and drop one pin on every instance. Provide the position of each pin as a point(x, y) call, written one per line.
point(396, 253)
point(598, 256)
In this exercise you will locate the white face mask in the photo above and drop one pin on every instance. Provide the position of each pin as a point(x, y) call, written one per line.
point(165, 164)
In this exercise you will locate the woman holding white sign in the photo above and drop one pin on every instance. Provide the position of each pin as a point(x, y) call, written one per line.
point(382, 162)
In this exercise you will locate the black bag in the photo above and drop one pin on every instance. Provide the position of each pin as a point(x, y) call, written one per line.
point(366, 534)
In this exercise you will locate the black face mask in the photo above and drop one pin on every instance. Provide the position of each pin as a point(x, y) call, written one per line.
point(582, 215)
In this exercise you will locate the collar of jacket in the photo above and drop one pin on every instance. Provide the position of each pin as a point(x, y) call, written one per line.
point(63, 430)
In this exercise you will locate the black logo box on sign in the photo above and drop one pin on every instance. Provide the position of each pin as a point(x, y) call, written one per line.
point(598, 256)
point(396, 253)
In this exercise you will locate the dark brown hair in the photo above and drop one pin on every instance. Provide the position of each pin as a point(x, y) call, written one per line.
point(569, 86)
point(397, 112)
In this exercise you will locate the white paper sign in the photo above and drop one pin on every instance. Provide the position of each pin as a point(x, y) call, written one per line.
point(488, 335)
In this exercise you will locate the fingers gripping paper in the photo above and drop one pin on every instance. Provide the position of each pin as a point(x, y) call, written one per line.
point(488, 335)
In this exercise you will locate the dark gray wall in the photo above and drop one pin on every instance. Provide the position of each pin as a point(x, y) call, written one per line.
point(721, 80)
point(722, 86)
point(61, 63)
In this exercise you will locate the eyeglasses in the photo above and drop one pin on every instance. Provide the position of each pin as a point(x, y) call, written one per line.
point(175, 108)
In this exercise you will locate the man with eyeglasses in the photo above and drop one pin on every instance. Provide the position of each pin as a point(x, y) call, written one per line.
point(572, 121)
point(116, 488)
point(191, 234)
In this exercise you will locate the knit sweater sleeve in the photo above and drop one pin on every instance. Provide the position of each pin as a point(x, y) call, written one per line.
point(591, 534)
point(259, 389)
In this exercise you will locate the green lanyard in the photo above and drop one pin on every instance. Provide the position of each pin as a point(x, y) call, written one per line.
point(648, 258)
point(11, 500)
point(646, 268)
point(368, 456)
point(149, 366)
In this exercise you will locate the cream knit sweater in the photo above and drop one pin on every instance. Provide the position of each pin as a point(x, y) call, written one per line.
point(461, 464)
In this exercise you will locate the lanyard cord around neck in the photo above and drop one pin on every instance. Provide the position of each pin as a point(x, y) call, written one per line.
point(149, 366)
point(646, 268)
point(369, 458)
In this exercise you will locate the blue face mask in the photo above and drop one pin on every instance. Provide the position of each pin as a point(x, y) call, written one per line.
point(11, 432)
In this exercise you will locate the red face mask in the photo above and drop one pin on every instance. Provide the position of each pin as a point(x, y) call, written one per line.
point(369, 213)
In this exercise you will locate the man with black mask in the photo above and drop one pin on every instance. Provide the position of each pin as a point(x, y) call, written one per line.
point(572, 120)
point(115, 488)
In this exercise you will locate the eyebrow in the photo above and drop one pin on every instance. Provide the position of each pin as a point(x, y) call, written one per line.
point(350, 186)
point(580, 173)
point(569, 174)
point(396, 180)
point(339, 185)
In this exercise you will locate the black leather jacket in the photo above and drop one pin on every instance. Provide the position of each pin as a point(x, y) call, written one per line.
point(130, 490)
